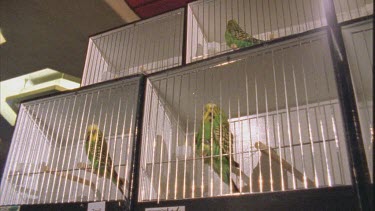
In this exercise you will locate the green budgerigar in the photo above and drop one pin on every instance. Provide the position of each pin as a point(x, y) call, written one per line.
point(237, 37)
point(215, 129)
point(97, 152)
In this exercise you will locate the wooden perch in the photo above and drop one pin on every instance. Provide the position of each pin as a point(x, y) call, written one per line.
point(28, 190)
point(299, 175)
point(84, 166)
point(87, 167)
point(70, 177)
point(238, 172)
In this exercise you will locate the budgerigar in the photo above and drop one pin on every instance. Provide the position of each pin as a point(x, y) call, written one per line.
point(214, 118)
point(238, 38)
point(97, 152)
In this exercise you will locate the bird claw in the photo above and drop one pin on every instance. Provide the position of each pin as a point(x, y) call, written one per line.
point(81, 165)
point(233, 46)
point(44, 168)
point(98, 193)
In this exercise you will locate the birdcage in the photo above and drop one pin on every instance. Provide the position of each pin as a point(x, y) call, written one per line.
point(358, 42)
point(353, 9)
point(143, 47)
point(214, 25)
point(74, 147)
point(280, 121)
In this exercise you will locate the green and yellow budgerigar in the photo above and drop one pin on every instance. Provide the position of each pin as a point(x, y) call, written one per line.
point(238, 38)
point(216, 120)
point(97, 152)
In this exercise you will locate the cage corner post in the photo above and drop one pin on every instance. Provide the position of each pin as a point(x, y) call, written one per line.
point(86, 66)
point(137, 143)
point(360, 175)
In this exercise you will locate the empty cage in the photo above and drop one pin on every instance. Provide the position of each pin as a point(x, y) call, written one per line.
point(211, 30)
point(75, 147)
point(352, 9)
point(262, 120)
point(143, 47)
point(358, 44)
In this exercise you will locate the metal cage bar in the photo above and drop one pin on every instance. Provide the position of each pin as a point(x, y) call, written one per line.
point(74, 147)
point(143, 47)
point(352, 9)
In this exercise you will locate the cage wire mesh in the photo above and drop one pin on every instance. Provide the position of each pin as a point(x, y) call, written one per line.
point(75, 147)
point(144, 47)
point(265, 120)
point(352, 9)
point(358, 41)
point(209, 21)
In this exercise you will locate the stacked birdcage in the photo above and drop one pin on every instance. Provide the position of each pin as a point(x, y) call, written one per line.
point(282, 121)
point(143, 47)
point(217, 102)
point(208, 22)
point(53, 154)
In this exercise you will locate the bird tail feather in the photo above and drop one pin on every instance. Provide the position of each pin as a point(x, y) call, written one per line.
point(255, 40)
point(118, 181)
point(238, 172)
point(235, 188)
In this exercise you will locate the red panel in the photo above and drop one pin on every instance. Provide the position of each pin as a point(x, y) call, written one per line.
point(138, 3)
point(150, 8)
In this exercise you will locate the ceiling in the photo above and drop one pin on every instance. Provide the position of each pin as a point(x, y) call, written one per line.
point(150, 8)
point(51, 34)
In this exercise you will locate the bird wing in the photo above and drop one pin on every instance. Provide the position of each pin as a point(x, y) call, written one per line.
point(226, 138)
point(105, 159)
point(221, 133)
point(240, 34)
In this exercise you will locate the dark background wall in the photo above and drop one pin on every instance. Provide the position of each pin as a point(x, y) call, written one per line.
point(6, 131)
